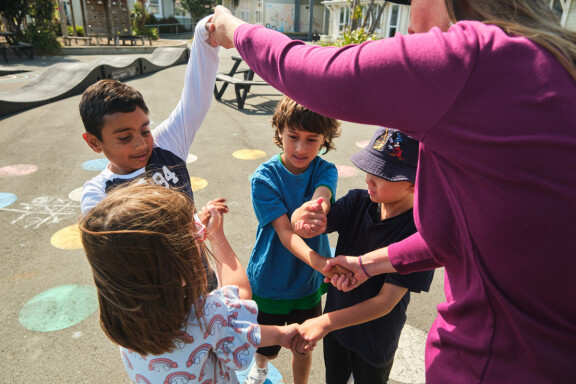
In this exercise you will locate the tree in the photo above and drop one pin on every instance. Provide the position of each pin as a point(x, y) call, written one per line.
point(14, 15)
point(199, 8)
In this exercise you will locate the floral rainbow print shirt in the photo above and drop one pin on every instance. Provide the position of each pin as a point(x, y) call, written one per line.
point(227, 342)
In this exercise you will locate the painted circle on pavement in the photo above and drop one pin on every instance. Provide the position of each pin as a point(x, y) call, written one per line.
point(191, 158)
point(249, 154)
point(76, 195)
point(198, 183)
point(58, 308)
point(362, 144)
point(274, 376)
point(6, 199)
point(346, 171)
point(18, 77)
point(17, 170)
point(95, 165)
point(67, 238)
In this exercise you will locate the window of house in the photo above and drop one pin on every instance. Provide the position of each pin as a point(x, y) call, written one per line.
point(393, 20)
point(344, 19)
point(258, 12)
point(154, 7)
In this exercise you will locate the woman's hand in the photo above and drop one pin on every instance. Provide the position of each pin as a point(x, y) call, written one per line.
point(221, 27)
point(341, 281)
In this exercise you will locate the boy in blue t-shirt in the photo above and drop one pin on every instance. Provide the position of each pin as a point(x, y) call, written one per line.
point(116, 120)
point(284, 268)
point(361, 328)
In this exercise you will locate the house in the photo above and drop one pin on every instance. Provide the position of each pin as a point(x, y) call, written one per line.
point(105, 17)
point(331, 16)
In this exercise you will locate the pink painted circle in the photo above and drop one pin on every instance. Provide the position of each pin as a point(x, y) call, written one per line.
point(346, 171)
point(18, 170)
point(362, 144)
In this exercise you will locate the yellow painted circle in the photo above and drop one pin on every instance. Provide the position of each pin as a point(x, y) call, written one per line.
point(198, 183)
point(249, 154)
point(67, 238)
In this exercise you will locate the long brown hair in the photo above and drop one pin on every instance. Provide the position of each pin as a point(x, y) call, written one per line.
point(530, 18)
point(147, 265)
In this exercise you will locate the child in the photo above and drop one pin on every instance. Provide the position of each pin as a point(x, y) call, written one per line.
point(144, 247)
point(361, 328)
point(283, 268)
point(116, 120)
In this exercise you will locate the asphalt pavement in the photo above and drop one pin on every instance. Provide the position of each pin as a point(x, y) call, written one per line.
point(50, 331)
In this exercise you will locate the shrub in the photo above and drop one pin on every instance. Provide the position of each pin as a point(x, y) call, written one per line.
point(44, 40)
point(357, 36)
point(79, 31)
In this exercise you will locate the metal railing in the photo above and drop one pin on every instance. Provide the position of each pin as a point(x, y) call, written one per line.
point(178, 28)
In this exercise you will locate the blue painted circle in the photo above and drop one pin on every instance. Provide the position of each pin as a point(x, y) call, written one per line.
point(333, 251)
point(58, 308)
point(6, 199)
point(274, 376)
point(95, 165)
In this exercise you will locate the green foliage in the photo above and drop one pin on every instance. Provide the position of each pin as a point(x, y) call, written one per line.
point(14, 13)
point(151, 32)
point(138, 18)
point(199, 8)
point(79, 31)
point(355, 37)
point(44, 39)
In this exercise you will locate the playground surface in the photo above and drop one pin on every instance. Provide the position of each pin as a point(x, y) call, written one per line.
point(50, 331)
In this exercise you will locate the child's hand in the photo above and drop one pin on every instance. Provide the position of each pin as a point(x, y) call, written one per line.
point(342, 281)
point(310, 332)
point(287, 335)
point(310, 219)
point(219, 204)
point(215, 211)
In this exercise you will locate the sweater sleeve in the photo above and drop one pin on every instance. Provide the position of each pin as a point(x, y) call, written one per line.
point(412, 255)
point(405, 82)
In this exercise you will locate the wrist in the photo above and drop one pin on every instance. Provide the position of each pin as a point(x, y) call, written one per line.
point(363, 267)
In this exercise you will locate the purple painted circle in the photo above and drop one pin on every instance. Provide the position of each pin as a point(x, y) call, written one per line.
point(18, 170)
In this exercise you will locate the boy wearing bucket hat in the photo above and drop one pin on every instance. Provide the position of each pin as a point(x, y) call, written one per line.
point(361, 328)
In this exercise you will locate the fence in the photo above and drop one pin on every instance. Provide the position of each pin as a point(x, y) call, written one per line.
point(172, 29)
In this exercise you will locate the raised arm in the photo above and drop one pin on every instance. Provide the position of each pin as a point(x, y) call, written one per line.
point(228, 267)
point(178, 131)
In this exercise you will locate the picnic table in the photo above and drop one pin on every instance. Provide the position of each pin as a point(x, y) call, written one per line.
point(242, 84)
point(8, 41)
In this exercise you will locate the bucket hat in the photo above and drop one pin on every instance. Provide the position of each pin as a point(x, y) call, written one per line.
point(390, 155)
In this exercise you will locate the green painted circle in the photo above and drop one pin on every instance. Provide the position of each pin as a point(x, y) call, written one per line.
point(58, 308)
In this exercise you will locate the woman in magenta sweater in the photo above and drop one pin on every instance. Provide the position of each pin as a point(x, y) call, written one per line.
point(488, 89)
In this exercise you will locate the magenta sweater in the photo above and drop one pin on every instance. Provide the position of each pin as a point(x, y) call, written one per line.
point(496, 186)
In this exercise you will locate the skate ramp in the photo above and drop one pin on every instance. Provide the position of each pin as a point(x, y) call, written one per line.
point(67, 79)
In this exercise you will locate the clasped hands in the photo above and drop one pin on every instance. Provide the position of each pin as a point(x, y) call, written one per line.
point(302, 338)
point(343, 272)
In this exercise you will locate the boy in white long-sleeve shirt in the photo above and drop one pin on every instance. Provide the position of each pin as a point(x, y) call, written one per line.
point(115, 117)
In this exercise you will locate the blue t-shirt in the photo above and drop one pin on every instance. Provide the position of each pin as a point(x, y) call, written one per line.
point(274, 272)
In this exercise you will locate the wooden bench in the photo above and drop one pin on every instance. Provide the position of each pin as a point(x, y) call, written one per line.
point(133, 39)
point(68, 40)
point(8, 41)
